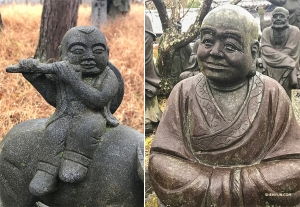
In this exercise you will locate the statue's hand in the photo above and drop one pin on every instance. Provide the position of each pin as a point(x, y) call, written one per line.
point(65, 71)
point(28, 65)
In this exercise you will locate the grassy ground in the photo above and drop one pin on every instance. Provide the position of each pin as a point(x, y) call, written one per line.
point(19, 101)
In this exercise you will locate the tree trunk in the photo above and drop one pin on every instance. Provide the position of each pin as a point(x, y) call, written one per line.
point(173, 40)
point(1, 23)
point(57, 18)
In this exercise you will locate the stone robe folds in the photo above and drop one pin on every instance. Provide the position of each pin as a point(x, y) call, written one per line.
point(279, 63)
point(198, 158)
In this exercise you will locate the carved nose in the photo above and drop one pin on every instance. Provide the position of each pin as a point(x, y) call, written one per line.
point(217, 50)
point(89, 55)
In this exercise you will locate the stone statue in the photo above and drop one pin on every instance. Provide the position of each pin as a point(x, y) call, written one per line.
point(228, 136)
point(117, 7)
point(181, 56)
point(293, 6)
point(280, 50)
point(80, 155)
point(152, 80)
point(193, 68)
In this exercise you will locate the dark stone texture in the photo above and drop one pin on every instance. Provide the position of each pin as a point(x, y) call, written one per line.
point(112, 178)
point(63, 150)
point(152, 80)
point(193, 68)
point(228, 136)
point(117, 7)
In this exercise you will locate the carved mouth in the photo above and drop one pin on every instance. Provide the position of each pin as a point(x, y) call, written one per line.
point(88, 65)
point(215, 66)
point(278, 22)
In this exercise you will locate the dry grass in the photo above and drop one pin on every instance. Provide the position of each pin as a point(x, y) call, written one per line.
point(19, 101)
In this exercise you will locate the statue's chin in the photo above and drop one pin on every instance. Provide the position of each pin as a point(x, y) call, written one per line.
point(280, 26)
point(91, 72)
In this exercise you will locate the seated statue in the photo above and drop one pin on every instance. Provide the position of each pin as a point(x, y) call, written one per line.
point(152, 80)
point(193, 68)
point(280, 50)
point(81, 148)
point(228, 136)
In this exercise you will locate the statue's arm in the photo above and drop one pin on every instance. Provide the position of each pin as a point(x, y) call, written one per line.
point(93, 98)
point(44, 84)
point(275, 181)
point(178, 182)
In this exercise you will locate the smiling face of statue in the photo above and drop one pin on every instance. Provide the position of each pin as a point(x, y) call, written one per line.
point(280, 18)
point(228, 45)
point(85, 46)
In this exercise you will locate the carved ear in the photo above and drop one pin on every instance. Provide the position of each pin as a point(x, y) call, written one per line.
point(254, 53)
point(107, 51)
point(255, 50)
point(59, 52)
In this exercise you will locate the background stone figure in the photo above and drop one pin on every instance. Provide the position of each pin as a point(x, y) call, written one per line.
point(181, 56)
point(228, 136)
point(117, 7)
point(152, 80)
point(280, 50)
point(193, 68)
point(293, 6)
point(80, 155)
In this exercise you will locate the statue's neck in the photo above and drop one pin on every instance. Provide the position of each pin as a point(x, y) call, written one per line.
point(226, 88)
point(229, 99)
point(279, 37)
point(279, 31)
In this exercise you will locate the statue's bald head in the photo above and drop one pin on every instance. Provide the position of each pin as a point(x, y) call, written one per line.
point(84, 34)
point(280, 10)
point(233, 17)
point(280, 18)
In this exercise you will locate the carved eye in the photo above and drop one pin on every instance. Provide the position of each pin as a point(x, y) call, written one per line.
point(77, 49)
point(229, 47)
point(207, 42)
point(98, 49)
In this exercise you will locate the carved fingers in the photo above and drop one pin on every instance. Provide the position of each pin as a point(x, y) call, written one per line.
point(65, 71)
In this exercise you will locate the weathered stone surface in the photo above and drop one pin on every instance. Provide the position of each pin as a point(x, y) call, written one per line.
point(295, 97)
point(152, 80)
point(99, 13)
point(80, 155)
point(280, 50)
point(228, 136)
point(112, 178)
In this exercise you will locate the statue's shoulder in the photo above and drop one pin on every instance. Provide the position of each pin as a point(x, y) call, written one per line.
point(267, 30)
point(294, 30)
point(187, 87)
point(190, 82)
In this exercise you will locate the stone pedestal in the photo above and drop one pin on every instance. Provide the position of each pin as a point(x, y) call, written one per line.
point(99, 13)
point(295, 97)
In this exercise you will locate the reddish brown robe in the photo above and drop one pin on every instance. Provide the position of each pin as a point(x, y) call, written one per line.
point(198, 158)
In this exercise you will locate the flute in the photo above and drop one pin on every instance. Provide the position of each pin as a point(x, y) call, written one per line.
point(39, 68)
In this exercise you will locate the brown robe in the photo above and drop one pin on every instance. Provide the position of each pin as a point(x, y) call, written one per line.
point(198, 158)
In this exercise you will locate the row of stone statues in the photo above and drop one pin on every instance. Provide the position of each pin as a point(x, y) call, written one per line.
point(228, 135)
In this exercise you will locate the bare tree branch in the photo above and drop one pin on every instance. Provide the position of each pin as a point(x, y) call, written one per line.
point(185, 13)
point(193, 30)
point(235, 2)
point(163, 15)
